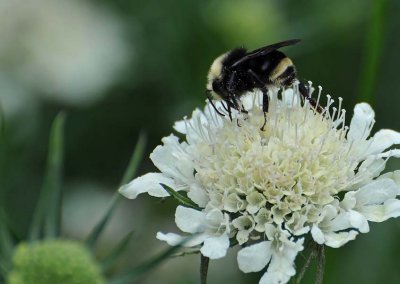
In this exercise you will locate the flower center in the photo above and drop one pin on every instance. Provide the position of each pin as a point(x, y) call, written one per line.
point(298, 163)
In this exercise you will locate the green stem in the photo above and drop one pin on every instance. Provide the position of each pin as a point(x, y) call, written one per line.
point(320, 264)
point(303, 270)
point(204, 261)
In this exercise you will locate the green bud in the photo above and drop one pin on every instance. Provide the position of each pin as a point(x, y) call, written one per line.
point(55, 261)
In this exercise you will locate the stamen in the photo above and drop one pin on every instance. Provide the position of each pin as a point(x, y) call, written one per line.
point(328, 105)
point(340, 120)
point(310, 89)
point(212, 115)
point(344, 120)
point(340, 106)
point(333, 115)
point(318, 98)
point(254, 101)
point(201, 129)
point(306, 108)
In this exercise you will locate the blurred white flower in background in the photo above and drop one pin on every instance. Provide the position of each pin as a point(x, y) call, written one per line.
point(69, 51)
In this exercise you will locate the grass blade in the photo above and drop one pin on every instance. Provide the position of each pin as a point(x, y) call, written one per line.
point(3, 270)
point(6, 239)
point(135, 160)
point(2, 123)
point(183, 200)
point(6, 245)
point(373, 51)
point(46, 219)
point(116, 252)
point(133, 275)
point(128, 175)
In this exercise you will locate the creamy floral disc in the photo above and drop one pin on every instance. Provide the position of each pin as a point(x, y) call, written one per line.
point(306, 173)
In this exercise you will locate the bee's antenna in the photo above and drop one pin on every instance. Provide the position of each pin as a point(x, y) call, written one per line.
point(213, 105)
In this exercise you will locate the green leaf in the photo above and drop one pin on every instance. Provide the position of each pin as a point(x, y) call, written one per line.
point(130, 172)
point(109, 260)
point(46, 219)
point(133, 275)
point(183, 200)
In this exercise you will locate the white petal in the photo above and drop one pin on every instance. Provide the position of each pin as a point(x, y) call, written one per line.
point(175, 239)
point(391, 153)
point(392, 208)
point(371, 168)
point(317, 235)
point(349, 201)
point(195, 126)
point(275, 277)
point(215, 247)
point(380, 213)
point(395, 176)
point(382, 140)
point(198, 195)
point(349, 220)
point(180, 126)
point(172, 160)
point(358, 221)
point(336, 240)
point(189, 220)
point(344, 228)
point(171, 238)
point(301, 231)
point(255, 257)
point(217, 221)
point(149, 183)
point(376, 192)
point(281, 267)
point(361, 121)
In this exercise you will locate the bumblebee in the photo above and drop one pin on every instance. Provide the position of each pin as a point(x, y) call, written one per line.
point(238, 71)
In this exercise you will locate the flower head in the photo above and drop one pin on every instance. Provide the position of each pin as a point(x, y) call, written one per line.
point(54, 261)
point(305, 173)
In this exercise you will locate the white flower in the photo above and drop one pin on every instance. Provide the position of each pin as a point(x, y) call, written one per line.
point(307, 172)
point(70, 51)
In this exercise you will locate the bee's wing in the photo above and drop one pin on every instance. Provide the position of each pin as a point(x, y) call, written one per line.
point(265, 50)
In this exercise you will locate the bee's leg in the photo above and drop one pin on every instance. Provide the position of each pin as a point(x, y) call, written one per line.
point(304, 92)
point(237, 122)
point(229, 111)
point(213, 105)
point(234, 104)
point(264, 90)
point(227, 107)
point(265, 106)
point(243, 110)
point(224, 106)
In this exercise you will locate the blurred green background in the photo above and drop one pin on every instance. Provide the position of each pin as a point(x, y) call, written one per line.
point(118, 67)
